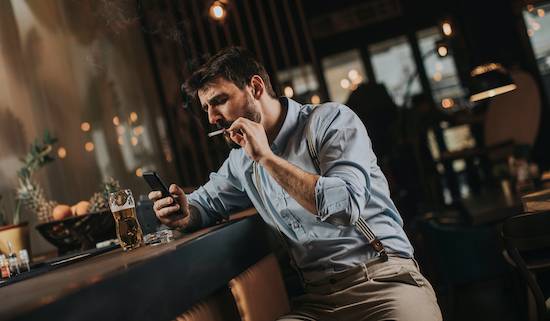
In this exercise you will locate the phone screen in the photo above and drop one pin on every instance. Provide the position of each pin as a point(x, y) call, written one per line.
point(157, 184)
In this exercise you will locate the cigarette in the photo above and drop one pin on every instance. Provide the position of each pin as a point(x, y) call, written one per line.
point(217, 132)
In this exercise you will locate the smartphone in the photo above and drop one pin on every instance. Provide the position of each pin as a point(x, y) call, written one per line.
point(154, 181)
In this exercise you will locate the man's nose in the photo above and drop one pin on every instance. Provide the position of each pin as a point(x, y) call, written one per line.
point(213, 115)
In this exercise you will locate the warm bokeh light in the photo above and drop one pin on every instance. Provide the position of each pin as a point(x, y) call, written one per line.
point(530, 32)
point(447, 103)
point(315, 99)
point(493, 92)
point(168, 154)
point(442, 51)
point(353, 87)
point(289, 92)
point(139, 172)
point(437, 76)
point(121, 129)
point(85, 126)
point(344, 83)
point(133, 116)
point(89, 146)
point(485, 68)
point(134, 141)
point(61, 152)
point(535, 26)
point(447, 30)
point(217, 11)
point(357, 80)
point(138, 130)
point(439, 66)
point(541, 12)
point(120, 141)
point(352, 74)
point(530, 7)
point(116, 121)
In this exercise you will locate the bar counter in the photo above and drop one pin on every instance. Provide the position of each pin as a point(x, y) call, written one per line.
point(150, 283)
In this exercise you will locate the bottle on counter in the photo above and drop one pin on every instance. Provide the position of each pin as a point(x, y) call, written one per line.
point(14, 262)
point(24, 258)
point(4, 267)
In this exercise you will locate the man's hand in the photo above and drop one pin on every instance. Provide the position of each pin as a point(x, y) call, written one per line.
point(165, 208)
point(251, 136)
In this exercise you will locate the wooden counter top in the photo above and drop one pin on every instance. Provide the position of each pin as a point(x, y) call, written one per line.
point(150, 283)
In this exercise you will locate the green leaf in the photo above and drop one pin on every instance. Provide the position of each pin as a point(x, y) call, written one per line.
point(46, 136)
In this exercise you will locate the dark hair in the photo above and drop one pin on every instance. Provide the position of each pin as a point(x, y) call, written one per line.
point(235, 64)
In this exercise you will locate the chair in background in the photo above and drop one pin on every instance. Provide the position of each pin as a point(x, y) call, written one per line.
point(472, 279)
point(527, 241)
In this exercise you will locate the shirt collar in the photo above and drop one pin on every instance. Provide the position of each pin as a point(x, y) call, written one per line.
point(289, 125)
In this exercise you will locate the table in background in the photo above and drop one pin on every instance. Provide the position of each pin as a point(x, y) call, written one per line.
point(493, 206)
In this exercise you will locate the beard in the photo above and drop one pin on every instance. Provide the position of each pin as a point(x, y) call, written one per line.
point(250, 112)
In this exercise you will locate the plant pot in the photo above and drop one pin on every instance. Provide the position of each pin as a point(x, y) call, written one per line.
point(18, 235)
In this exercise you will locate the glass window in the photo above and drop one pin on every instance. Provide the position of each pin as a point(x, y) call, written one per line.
point(343, 72)
point(300, 84)
point(440, 71)
point(394, 66)
point(537, 22)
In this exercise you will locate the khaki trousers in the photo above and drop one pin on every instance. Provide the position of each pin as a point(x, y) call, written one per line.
point(391, 290)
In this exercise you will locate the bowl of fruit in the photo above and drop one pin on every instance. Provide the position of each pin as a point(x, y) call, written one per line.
point(79, 232)
point(81, 226)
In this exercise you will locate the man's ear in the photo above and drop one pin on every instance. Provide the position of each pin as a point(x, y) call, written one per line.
point(257, 86)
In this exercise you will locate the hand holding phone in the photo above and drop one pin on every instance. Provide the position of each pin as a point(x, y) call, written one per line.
point(157, 184)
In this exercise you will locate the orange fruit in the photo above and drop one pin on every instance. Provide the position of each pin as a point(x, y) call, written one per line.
point(61, 211)
point(82, 207)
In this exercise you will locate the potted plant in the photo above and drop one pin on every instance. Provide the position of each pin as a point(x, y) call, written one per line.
point(29, 194)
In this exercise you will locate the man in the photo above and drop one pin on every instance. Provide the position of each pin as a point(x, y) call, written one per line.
point(271, 168)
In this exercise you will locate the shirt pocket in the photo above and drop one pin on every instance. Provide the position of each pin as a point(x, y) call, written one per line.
point(296, 226)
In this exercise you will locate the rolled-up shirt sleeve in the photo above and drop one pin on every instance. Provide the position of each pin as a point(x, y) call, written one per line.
point(348, 169)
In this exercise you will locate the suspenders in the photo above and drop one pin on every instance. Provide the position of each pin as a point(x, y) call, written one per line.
point(361, 223)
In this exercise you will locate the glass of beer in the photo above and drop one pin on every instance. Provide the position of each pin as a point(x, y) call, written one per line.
point(128, 230)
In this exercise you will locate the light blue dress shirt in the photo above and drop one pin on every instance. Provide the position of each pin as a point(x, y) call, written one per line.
point(351, 184)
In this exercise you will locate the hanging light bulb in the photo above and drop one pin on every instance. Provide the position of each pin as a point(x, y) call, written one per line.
point(217, 10)
point(489, 80)
point(447, 29)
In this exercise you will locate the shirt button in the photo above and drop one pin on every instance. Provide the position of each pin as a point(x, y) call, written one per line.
point(310, 247)
point(296, 225)
point(280, 196)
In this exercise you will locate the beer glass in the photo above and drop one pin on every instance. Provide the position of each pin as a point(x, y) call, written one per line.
point(128, 230)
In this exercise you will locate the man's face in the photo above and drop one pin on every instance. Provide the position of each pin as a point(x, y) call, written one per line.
point(225, 102)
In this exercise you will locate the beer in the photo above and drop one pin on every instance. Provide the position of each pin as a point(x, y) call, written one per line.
point(128, 230)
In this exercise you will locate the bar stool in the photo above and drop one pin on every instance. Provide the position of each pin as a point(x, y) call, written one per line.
point(219, 306)
point(260, 292)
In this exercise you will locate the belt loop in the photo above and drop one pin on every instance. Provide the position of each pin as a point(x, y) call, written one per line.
point(365, 270)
